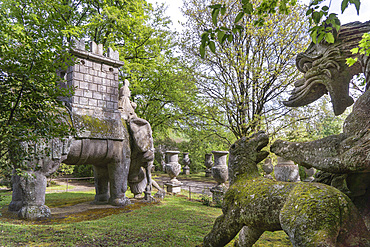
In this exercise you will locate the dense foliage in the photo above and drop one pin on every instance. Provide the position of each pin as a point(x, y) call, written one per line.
point(243, 83)
point(32, 49)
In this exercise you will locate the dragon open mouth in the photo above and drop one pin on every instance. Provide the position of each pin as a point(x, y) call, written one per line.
point(306, 92)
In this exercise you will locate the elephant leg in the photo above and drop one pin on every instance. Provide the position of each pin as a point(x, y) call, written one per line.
point(248, 236)
point(33, 186)
point(101, 176)
point(224, 230)
point(118, 170)
point(17, 195)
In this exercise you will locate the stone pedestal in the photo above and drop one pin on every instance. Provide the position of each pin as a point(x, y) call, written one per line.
point(186, 163)
point(208, 163)
point(208, 173)
point(173, 169)
point(186, 170)
point(173, 187)
point(286, 171)
point(218, 193)
point(220, 174)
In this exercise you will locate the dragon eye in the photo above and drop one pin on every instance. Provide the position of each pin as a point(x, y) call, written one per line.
point(304, 64)
point(307, 66)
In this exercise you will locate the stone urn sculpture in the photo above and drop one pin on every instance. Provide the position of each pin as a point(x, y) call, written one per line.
point(186, 163)
point(220, 174)
point(173, 169)
point(208, 163)
point(286, 171)
point(268, 168)
point(309, 174)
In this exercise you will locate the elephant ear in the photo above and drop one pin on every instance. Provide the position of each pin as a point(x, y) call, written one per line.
point(141, 133)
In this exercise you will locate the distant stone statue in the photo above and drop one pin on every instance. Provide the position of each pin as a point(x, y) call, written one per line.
point(343, 160)
point(268, 168)
point(173, 169)
point(311, 214)
point(220, 174)
point(186, 164)
point(125, 105)
point(208, 164)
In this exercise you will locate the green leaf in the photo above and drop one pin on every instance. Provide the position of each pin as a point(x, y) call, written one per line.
point(212, 46)
point(230, 37)
point(325, 8)
point(321, 37)
point(314, 36)
point(316, 16)
point(248, 8)
point(344, 5)
point(220, 35)
point(215, 6)
point(202, 50)
point(223, 10)
point(329, 38)
point(238, 17)
point(215, 13)
point(309, 11)
point(350, 61)
point(357, 4)
point(354, 50)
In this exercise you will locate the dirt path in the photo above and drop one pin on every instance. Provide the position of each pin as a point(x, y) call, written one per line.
point(187, 184)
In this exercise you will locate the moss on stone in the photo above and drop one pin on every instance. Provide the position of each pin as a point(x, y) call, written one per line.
point(92, 127)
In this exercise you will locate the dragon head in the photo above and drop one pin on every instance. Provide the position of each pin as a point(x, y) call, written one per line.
point(325, 70)
point(245, 154)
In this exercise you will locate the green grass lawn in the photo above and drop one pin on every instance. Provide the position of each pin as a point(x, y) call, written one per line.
point(175, 221)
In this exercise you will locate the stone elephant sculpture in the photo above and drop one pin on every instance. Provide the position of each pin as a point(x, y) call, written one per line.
point(114, 160)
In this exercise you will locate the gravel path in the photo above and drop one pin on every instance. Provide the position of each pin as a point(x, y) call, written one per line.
point(194, 186)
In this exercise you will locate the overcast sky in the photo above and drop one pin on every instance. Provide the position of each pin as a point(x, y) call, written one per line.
point(349, 15)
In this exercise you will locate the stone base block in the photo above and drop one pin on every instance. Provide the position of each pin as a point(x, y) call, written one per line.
point(34, 212)
point(173, 187)
point(218, 194)
point(186, 170)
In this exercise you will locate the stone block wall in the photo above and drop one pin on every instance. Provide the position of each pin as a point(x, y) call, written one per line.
point(95, 81)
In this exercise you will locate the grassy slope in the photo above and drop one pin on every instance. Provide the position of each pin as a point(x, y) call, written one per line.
point(174, 222)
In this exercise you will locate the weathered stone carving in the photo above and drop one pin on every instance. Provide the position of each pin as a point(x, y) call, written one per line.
point(286, 171)
point(311, 214)
point(102, 138)
point(219, 170)
point(208, 163)
point(173, 169)
point(125, 105)
point(220, 174)
point(186, 163)
point(346, 154)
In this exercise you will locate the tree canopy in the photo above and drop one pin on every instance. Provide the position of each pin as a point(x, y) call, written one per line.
point(242, 83)
point(324, 24)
